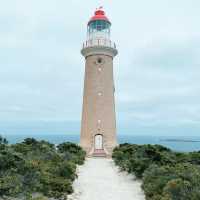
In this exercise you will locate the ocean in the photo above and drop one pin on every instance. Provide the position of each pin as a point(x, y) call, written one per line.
point(59, 132)
point(187, 145)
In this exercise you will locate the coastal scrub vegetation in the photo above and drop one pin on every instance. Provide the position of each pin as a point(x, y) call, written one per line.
point(38, 170)
point(165, 174)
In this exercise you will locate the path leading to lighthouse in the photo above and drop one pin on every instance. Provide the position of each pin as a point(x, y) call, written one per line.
point(100, 179)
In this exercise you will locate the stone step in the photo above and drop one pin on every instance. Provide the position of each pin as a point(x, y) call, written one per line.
point(99, 155)
point(99, 151)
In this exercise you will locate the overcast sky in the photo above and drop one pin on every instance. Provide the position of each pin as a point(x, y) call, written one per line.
point(157, 71)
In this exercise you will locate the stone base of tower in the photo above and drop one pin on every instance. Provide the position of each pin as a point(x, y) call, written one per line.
point(105, 152)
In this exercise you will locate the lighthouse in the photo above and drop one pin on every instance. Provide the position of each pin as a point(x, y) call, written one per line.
point(98, 125)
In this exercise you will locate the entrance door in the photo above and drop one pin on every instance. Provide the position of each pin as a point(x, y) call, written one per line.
point(98, 141)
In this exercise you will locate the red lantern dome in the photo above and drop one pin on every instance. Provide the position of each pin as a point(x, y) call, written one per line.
point(99, 15)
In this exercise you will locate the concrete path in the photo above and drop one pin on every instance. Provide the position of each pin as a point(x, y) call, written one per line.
point(100, 179)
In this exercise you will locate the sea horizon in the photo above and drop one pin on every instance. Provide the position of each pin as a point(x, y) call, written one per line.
point(182, 144)
point(61, 131)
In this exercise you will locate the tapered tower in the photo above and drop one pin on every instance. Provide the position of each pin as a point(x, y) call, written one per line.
point(98, 128)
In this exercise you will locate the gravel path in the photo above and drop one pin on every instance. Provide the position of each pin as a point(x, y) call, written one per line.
point(100, 179)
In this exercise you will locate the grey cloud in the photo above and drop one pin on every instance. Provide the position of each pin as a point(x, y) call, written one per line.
point(156, 72)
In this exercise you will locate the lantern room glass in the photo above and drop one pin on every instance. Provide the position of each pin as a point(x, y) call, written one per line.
point(98, 29)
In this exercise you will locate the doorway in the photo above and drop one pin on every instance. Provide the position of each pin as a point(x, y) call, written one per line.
point(98, 141)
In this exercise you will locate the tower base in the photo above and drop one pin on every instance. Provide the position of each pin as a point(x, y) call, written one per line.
point(105, 152)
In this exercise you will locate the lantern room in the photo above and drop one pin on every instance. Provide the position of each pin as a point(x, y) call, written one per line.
point(98, 32)
point(99, 26)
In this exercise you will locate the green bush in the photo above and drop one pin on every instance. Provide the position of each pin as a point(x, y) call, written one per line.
point(72, 151)
point(166, 175)
point(3, 140)
point(137, 158)
point(56, 187)
point(38, 167)
point(10, 185)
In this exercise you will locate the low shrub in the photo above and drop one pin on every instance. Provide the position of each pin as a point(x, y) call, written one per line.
point(166, 175)
point(33, 167)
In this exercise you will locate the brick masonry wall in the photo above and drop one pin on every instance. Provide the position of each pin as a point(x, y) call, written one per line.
point(98, 114)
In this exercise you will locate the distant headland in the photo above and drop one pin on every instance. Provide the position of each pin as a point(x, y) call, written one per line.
point(178, 140)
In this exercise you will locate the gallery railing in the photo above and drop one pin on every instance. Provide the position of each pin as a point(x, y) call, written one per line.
point(99, 42)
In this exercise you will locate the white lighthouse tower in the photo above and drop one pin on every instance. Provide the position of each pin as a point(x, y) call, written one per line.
point(98, 128)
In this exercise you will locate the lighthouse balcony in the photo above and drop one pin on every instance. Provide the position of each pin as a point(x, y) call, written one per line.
point(99, 47)
point(99, 42)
